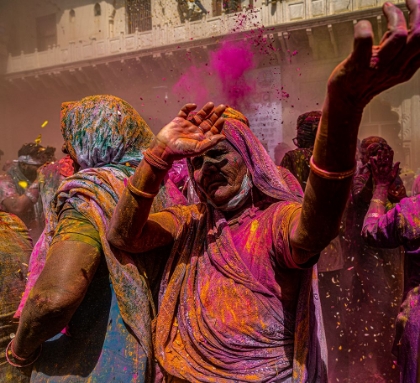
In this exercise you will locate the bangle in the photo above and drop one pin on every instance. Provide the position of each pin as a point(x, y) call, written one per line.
point(9, 351)
point(330, 175)
point(373, 215)
point(138, 192)
point(377, 200)
point(155, 161)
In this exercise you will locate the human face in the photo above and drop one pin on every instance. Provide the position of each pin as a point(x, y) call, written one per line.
point(219, 173)
point(30, 171)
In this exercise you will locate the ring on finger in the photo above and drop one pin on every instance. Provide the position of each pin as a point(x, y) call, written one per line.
point(202, 130)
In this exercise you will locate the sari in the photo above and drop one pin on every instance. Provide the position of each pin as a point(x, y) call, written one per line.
point(234, 306)
point(400, 226)
point(15, 248)
point(109, 336)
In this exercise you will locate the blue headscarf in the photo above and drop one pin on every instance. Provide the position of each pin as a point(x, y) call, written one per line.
point(102, 130)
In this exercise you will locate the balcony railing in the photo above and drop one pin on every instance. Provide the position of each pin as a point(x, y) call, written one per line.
point(270, 14)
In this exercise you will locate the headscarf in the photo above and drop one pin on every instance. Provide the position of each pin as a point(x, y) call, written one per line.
point(104, 130)
point(264, 173)
point(307, 126)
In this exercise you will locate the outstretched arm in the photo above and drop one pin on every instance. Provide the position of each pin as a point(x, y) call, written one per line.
point(368, 71)
point(132, 228)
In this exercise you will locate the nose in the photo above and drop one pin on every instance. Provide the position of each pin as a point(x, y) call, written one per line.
point(208, 167)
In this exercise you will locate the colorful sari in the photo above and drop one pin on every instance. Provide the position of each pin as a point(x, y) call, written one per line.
point(15, 248)
point(234, 306)
point(400, 226)
point(109, 337)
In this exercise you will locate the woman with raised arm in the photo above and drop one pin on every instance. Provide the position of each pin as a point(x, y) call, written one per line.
point(238, 299)
point(391, 229)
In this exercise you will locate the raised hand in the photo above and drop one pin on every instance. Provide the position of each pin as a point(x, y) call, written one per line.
point(187, 138)
point(370, 70)
point(383, 171)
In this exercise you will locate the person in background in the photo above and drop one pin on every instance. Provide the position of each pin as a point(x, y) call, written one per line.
point(279, 151)
point(371, 280)
point(297, 160)
point(331, 260)
point(15, 249)
point(19, 189)
point(391, 229)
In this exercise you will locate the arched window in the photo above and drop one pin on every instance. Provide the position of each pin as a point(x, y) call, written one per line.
point(97, 9)
point(72, 15)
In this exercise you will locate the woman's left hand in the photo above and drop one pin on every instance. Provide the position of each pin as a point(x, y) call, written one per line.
point(383, 172)
point(370, 70)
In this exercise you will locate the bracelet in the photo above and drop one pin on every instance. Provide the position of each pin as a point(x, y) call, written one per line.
point(138, 192)
point(330, 175)
point(9, 351)
point(373, 215)
point(377, 200)
point(154, 160)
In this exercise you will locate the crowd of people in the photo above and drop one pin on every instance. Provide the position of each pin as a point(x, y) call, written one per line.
point(191, 256)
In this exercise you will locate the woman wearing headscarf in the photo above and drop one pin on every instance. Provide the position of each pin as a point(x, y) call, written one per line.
point(390, 229)
point(238, 299)
point(84, 285)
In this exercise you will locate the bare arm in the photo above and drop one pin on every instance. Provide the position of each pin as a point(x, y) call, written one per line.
point(382, 233)
point(367, 72)
point(17, 204)
point(58, 292)
point(132, 227)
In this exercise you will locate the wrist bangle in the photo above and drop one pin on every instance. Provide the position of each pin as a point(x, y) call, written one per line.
point(10, 352)
point(155, 161)
point(138, 192)
point(373, 215)
point(377, 200)
point(330, 175)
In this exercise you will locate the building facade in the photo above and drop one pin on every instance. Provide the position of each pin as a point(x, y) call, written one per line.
point(60, 50)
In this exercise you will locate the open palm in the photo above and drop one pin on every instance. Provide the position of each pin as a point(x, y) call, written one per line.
point(188, 138)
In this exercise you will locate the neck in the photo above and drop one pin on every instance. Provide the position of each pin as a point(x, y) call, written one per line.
point(253, 198)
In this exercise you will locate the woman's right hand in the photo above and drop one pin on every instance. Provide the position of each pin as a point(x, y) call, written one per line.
point(384, 171)
point(183, 138)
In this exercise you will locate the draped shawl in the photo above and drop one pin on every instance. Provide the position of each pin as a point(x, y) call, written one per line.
point(98, 131)
point(187, 344)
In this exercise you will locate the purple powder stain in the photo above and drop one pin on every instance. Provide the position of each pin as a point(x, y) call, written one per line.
point(191, 83)
point(230, 63)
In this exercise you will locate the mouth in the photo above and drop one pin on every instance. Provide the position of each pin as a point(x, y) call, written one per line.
point(212, 186)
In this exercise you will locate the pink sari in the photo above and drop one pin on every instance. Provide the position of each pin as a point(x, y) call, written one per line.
point(226, 313)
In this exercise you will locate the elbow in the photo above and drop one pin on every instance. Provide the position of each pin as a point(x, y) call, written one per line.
point(115, 239)
point(57, 305)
